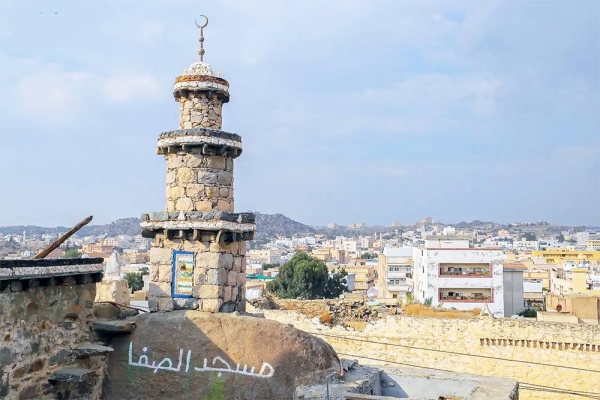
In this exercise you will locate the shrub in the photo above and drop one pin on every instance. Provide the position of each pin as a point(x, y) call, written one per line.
point(528, 313)
point(325, 318)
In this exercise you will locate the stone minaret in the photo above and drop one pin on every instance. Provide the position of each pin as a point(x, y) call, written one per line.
point(198, 252)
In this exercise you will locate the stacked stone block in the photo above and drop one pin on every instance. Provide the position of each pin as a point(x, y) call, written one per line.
point(199, 183)
point(219, 274)
point(200, 110)
point(199, 214)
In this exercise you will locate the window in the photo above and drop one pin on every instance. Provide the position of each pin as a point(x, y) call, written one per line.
point(398, 281)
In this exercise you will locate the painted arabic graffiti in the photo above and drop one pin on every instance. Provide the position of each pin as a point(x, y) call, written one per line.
point(218, 365)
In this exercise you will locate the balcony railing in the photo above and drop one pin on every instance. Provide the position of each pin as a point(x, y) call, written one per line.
point(468, 297)
point(465, 271)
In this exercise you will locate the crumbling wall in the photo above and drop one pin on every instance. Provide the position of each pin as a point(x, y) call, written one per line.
point(310, 308)
point(42, 321)
point(565, 356)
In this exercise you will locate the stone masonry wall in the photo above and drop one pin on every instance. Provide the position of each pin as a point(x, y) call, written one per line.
point(39, 327)
point(199, 183)
point(200, 110)
point(219, 275)
point(565, 356)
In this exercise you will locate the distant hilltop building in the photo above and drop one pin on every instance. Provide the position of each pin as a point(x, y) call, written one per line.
point(358, 225)
point(198, 254)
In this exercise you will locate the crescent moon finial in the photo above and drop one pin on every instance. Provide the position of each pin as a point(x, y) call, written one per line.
point(205, 22)
point(201, 38)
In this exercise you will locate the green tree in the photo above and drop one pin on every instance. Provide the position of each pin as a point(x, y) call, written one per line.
point(528, 313)
point(269, 266)
point(336, 284)
point(368, 256)
point(144, 271)
point(302, 276)
point(72, 253)
point(560, 237)
point(134, 281)
point(529, 236)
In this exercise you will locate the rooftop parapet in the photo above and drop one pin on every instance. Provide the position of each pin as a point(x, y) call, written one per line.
point(23, 274)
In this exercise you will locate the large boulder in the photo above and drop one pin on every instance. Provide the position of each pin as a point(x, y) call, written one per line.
point(196, 355)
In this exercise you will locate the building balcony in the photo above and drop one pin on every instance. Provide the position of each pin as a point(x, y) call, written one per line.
point(399, 281)
point(462, 295)
point(399, 275)
point(399, 288)
point(532, 287)
point(479, 270)
point(399, 268)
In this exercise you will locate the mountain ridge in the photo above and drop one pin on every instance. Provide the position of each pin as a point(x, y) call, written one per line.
point(268, 225)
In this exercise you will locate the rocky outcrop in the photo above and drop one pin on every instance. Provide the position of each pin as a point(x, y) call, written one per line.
point(216, 356)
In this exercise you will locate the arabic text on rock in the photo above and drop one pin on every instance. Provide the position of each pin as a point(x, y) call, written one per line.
point(219, 365)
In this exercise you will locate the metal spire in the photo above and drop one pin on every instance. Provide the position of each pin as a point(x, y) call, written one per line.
point(201, 39)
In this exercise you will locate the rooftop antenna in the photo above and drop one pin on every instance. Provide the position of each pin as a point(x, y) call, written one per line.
point(201, 38)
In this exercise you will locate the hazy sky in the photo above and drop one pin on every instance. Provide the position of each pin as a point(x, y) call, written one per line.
point(372, 111)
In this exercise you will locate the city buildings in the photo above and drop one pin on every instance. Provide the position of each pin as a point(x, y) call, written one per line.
point(557, 256)
point(364, 273)
point(453, 274)
point(265, 256)
point(395, 273)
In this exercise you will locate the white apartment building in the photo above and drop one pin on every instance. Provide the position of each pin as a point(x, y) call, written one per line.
point(366, 243)
point(456, 275)
point(395, 273)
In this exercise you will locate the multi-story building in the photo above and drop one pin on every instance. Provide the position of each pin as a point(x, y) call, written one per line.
point(364, 274)
point(329, 255)
point(574, 278)
point(455, 275)
point(558, 256)
point(593, 244)
point(137, 258)
point(265, 256)
point(394, 273)
point(366, 243)
point(99, 249)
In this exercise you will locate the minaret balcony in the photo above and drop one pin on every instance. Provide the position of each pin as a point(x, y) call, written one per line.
point(227, 226)
point(201, 83)
point(209, 142)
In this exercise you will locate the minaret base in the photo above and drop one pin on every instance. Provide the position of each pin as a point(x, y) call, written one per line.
point(198, 268)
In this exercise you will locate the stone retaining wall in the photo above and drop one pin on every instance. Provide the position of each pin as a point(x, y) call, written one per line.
point(565, 356)
point(42, 321)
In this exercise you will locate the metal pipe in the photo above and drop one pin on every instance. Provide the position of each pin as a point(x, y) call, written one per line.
point(327, 382)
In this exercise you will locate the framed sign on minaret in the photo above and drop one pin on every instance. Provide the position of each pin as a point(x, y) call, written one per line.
point(197, 258)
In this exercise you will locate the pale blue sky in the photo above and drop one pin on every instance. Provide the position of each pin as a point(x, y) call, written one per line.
point(349, 111)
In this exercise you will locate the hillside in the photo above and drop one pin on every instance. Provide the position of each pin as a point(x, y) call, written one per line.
point(124, 226)
point(272, 225)
point(268, 225)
